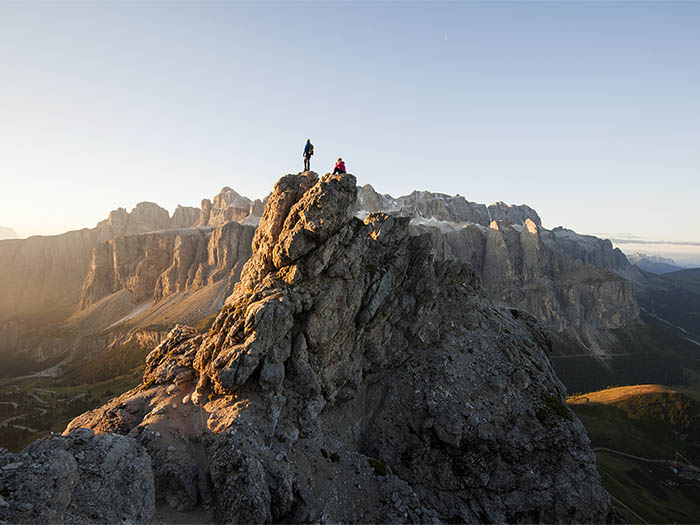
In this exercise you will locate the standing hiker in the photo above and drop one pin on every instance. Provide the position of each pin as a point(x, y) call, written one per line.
point(339, 166)
point(308, 151)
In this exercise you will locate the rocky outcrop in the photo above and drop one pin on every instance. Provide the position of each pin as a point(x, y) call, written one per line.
point(513, 214)
point(351, 377)
point(80, 478)
point(156, 265)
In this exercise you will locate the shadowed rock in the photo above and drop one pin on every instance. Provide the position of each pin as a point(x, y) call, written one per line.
point(80, 478)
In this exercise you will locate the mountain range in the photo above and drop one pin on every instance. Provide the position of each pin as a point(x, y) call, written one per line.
point(73, 296)
point(327, 353)
point(351, 376)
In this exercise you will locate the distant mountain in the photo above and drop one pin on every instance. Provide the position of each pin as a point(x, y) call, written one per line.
point(653, 263)
point(7, 233)
point(657, 268)
point(688, 278)
point(638, 256)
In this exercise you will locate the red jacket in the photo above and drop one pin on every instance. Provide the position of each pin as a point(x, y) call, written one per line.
point(340, 165)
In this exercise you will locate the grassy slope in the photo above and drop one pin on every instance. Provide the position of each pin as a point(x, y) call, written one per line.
point(50, 405)
point(689, 279)
point(642, 487)
point(650, 421)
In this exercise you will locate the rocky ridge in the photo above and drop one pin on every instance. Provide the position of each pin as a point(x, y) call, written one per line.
point(352, 377)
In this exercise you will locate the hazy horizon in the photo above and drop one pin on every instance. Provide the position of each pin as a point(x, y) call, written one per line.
point(587, 112)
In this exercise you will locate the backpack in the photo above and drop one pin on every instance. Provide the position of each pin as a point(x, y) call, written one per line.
point(311, 149)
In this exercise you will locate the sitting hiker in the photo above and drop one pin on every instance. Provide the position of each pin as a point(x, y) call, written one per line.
point(339, 166)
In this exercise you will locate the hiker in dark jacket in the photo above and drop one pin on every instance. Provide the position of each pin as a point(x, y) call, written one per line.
point(308, 151)
point(339, 166)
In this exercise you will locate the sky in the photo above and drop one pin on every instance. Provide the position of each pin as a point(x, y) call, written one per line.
point(587, 111)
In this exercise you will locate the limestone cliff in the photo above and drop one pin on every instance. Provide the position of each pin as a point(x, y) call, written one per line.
point(577, 283)
point(228, 206)
point(442, 207)
point(351, 377)
point(156, 265)
point(43, 275)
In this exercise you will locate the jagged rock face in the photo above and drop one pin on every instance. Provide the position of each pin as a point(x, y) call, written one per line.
point(46, 274)
point(206, 259)
point(156, 265)
point(184, 217)
point(80, 478)
point(568, 284)
point(228, 206)
point(133, 262)
point(513, 214)
point(145, 217)
point(350, 377)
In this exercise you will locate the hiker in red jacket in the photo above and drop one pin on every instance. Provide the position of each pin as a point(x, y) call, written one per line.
point(339, 166)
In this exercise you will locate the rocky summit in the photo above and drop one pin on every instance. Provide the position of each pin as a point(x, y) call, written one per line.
point(350, 377)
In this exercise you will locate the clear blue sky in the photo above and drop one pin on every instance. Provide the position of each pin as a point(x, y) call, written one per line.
point(589, 112)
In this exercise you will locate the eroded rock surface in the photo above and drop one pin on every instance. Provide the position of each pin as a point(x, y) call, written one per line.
point(79, 478)
point(351, 377)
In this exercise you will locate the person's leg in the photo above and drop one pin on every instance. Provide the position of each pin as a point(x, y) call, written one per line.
point(306, 163)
